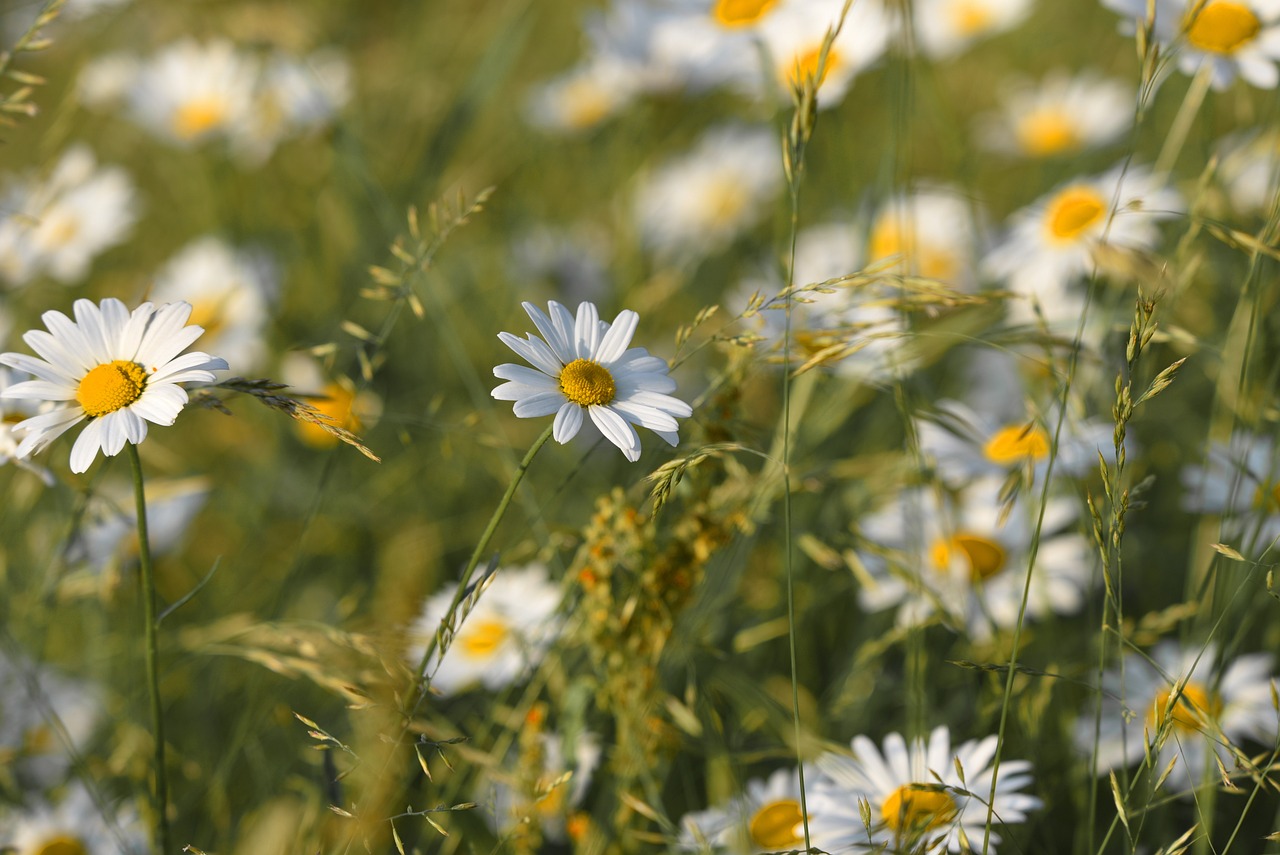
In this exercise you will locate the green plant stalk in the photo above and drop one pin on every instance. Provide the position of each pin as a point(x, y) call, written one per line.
point(481, 546)
point(160, 794)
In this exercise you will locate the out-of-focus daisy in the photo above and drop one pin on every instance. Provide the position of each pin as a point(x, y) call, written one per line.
point(13, 413)
point(291, 97)
point(583, 97)
point(349, 408)
point(795, 34)
point(503, 636)
point(1249, 166)
point(114, 370)
point(228, 290)
point(585, 366)
point(1240, 481)
point(930, 233)
point(74, 826)
point(109, 531)
point(1061, 115)
point(549, 801)
point(1215, 705)
point(1052, 244)
point(105, 81)
point(956, 557)
point(765, 817)
point(191, 93)
point(918, 800)
point(697, 203)
point(56, 226)
point(707, 43)
point(29, 745)
point(948, 27)
point(1233, 37)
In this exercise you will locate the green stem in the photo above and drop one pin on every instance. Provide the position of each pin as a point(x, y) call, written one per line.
point(160, 796)
point(481, 546)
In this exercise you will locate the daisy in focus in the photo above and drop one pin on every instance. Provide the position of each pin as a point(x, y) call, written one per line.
point(1059, 116)
point(500, 639)
point(1188, 705)
point(114, 370)
point(948, 27)
point(1054, 244)
point(55, 227)
point(918, 798)
point(584, 366)
point(765, 817)
point(1232, 37)
point(698, 202)
point(73, 826)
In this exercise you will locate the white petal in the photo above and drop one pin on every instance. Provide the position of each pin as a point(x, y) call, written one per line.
point(112, 429)
point(615, 341)
point(86, 447)
point(94, 331)
point(54, 352)
point(618, 431)
point(551, 332)
point(135, 428)
point(658, 401)
point(586, 331)
point(39, 390)
point(523, 375)
point(563, 320)
point(186, 363)
point(160, 405)
point(542, 404)
point(38, 367)
point(649, 417)
point(534, 351)
point(568, 422)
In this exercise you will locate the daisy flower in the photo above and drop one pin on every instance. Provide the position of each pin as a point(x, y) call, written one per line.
point(930, 233)
point(585, 366)
point(114, 370)
point(74, 826)
point(1240, 481)
point(13, 413)
point(1053, 243)
point(291, 97)
point(947, 27)
point(795, 34)
point(228, 290)
point(105, 81)
point(1231, 37)
point(765, 817)
point(697, 203)
point(1216, 706)
point(503, 636)
point(57, 226)
point(349, 408)
point(28, 743)
point(550, 804)
point(108, 532)
point(954, 556)
point(1249, 167)
point(919, 801)
point(192, 93)
point(703, 44)
point(1061, 115)
point(582, 98)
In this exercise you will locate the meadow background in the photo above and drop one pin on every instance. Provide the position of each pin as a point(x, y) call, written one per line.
point(429, 179)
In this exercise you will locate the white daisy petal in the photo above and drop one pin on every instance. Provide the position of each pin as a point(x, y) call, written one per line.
point(617, 430)
point(568, 422)
point(86, 446)
point(541, 404)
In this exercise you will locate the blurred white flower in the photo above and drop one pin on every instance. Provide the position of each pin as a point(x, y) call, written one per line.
point(500, 639)
point(291, 97)
point(931, 234)
point(1249, 166)
point(349, 408)
point(794, 36)
point(697, 203)
point(550, 802)
point(764, 817)
point(35, 703)
point(108, 533)
point(1241, 482)
point(73, 826)
point(945, 28)
point(191, 93)
point(104, 82)
point(56, 226)
point(582, 97)
point(1060, 115)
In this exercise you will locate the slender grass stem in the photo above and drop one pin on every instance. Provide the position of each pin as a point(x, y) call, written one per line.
point(160, 794)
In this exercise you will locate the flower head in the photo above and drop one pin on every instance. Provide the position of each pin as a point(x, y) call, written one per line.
point(765, 817)
point(585, 366)
point(113, 369)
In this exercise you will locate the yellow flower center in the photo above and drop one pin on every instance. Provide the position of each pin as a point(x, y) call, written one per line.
point(1223, 27)
point(62, 845)
point(1267, 498)
point(970, 17)
point(986, 557)
point(480, 639)
point(917, 808)
point(210, 315)
point(1193, 711)
point(1016, 443)
point(336, 404)
point(587, 383)
point(198, 117)
point(1047, 132)
point(888, 240)
point(111, 386)
point(741, 13)
point(774, 826)
point(59, 231)
point(723, 202)
point(1072, 212)
point(805, 66)
point(585, 104)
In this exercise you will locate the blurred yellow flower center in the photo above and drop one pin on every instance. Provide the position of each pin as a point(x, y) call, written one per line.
point(1195, 708)
point(199, 117)
point(970, 17)
point(336, 404)
point(1073, 211)
point(551, 803)
point(1047, 132)
point(585, 104)
point(111, 386)
point(62, 845)
point(587, 383)
point(1223, 27)
point(60, 230)
point(724, 201)
point(774, 825)
point(986, 557)
point(917, 808)
point(1267, 497)
point(741, 13)
point(1016, 443)
point(888, 240)
point(805, 66)
point(209, 315)
point(482, 638)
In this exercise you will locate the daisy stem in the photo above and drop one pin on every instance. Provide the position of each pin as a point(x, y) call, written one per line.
point(433, 643)
point(160, 796)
